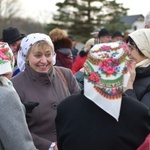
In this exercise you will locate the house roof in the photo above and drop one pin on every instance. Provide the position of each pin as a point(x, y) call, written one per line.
point(129, 20)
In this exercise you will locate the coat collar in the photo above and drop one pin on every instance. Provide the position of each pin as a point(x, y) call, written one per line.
point(40, 77)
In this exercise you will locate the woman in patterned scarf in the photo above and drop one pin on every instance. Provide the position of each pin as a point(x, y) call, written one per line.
point(102, 117)
point(14, 133)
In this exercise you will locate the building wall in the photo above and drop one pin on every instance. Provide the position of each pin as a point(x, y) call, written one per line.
point(136, 25)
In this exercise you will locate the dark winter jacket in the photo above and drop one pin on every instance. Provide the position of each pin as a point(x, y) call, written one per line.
point(82, 125)
point(141, 86)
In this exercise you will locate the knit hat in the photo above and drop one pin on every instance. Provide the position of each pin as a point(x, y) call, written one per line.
point(141, 37)
point(89, 44)
point(26, 43)
point(106, 73)
point(6, 59)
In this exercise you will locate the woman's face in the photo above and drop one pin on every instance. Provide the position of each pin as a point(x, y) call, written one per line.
point(134, 54)
point(40, 58)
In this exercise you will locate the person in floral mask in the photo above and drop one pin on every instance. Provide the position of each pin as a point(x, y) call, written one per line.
point(14, 133)
point(101, 116)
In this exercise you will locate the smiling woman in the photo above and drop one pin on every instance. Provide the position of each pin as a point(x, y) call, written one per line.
point(139, 50)
point(41, 82)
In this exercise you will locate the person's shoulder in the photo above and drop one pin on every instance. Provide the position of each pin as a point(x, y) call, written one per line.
point(134, 105)
point(64, 70)
point(19, 77)
point(71, 101)
point(4, 90)
point(7, 94)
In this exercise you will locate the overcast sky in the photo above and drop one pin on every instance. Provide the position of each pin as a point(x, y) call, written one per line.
point(42, 10)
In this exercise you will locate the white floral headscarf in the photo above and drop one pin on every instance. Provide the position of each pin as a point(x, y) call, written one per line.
point(27, 43)
point(106, 73)
point(142, 39)
point(6, 64)
point(6, 59)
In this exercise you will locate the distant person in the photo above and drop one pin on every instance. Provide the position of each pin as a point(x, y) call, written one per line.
point(80, 59)
point(74, 49)
point(95, 33)
point(117, 36)
point(95, 36)
point(40, 81)
point(101, 117)
point(14, 133)
point(13, 37)
point(104, 36)
point(62, 47)
point(147, 20)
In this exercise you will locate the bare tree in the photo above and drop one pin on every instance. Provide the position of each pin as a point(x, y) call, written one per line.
point(8, 10)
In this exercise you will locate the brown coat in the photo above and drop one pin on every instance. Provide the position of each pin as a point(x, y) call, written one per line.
point(49, 90)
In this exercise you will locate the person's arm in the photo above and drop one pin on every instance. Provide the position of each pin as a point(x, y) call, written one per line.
point(76, 66)
point(146, 98)
point(80, 78)
point(74, 87)
point(71, 81)
point(14, 133)
point(129, 89)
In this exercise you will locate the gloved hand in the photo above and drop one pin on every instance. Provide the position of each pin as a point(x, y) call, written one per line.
point(29, 106)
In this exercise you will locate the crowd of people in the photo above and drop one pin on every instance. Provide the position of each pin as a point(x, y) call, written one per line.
point(55, 97)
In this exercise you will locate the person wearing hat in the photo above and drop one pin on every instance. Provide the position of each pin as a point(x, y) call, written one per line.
point(139, 52)
point(104, 36)
point(63, 47)
point(101, 117)
point(40, 81)
point(74, 50)
point(117, 36)
point(14, 132)
point(13, 37)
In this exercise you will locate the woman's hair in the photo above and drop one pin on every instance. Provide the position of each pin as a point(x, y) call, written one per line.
point(130, 40)
point(57, 34)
